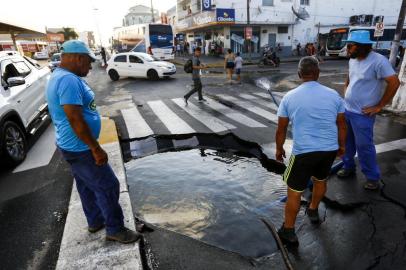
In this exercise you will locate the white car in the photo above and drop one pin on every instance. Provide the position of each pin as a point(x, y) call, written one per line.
point(140, 65)
point(40, 56)
point(23, 108)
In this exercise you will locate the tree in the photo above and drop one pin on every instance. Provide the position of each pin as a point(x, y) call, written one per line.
point(69, 33)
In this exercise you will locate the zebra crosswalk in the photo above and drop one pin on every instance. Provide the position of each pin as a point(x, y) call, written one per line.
point(218, 114)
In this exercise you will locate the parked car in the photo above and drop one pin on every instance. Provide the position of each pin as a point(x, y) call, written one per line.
point(140, 65)
point(55, 61)
point(40, 55)
point(23, 108)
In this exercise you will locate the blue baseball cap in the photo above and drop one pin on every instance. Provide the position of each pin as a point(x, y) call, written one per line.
point(77, 46)
point(359, 36)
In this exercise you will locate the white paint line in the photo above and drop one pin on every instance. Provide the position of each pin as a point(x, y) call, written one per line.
point(41, 153)
point(265, 103)
point(247, 96)
point(137, 127)
point(250, 107)
point(213, 123)
point(171, 120)
point(277, 95)
point(389, 146)
point(232, 114)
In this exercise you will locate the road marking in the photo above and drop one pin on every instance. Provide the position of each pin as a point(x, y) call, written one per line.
point(232, 114)
point(279, 95)
point(268, 104)
point(171, 120)
point(389, 146)
point(213, 123)
point(41, 153)
point(137, 127)
point(250, 107)
point(247, 96)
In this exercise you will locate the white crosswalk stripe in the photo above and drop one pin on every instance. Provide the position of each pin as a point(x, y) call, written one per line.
point(137, 127)
point(213, 123)
point(250, 107)
point(265, 103)
point(233, 114)
point(171, 120)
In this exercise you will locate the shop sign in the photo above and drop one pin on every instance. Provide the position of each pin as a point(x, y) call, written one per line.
point(184, 24)
point(31, 48)
point(55, 37)
point(248, 32)
point(225, 15)
point(206, 5)
point(204, 18)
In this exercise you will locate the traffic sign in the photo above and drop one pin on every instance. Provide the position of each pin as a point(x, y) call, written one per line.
point(379, 27)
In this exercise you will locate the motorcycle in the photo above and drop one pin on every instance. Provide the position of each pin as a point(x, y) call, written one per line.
point(269, 58)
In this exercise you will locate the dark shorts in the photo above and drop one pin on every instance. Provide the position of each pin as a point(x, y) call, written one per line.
point(230, 65)
point(238, 71)
point(304, 166)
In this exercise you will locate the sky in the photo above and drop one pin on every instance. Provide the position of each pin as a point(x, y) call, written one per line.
point(80, 14)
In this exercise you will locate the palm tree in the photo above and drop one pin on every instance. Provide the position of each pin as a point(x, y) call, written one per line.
point(69, 33)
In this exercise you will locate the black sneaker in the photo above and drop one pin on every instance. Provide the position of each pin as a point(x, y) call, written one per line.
point(95, 228)
point(288, 236)
point(313, 215)
point(202, 100)
point(125, 236)
point(344, 173)
point(185, 98)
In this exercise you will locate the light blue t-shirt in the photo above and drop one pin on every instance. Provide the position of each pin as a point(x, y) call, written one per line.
point(65, 88)
point(312, 109)
point(366, 81)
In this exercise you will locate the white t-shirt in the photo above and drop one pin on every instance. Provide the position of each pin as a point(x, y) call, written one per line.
point(238, 62)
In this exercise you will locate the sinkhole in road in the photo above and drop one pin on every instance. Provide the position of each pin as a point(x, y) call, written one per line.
point(215, 195)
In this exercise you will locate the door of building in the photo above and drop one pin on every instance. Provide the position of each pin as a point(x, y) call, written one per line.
point(272, 40)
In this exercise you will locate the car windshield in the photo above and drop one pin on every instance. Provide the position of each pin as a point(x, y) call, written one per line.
point(56, 57)
point(148, 58)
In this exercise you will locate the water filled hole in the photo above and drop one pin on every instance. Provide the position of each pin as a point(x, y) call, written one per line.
point(214, 196)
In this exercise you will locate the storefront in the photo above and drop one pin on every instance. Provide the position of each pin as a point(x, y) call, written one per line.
point(240, 44)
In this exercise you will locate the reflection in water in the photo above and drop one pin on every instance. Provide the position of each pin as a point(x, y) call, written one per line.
point(213, 196)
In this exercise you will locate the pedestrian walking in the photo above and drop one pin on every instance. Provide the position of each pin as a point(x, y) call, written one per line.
point(298, 49)
point(77, 127)
point(178, 49)
point(196, 74)
point(238, 66)
point(318, 137)
point(104, 57)
point(229, 65)
point(364, 98)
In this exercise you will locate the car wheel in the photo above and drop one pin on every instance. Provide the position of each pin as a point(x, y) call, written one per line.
point(13, 143)
point(152, 75)
point(114, 75)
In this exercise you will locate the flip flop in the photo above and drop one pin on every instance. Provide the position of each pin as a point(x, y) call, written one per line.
point(371, 185)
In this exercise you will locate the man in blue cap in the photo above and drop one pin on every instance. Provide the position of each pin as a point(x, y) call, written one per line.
point(77, 126)
point(365, 96)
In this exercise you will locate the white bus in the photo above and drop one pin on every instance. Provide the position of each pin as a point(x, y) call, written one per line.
point(335, 45)
point(158, 37)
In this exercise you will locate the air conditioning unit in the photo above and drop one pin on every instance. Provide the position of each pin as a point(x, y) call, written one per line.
point(378, 19)
point(354, 20)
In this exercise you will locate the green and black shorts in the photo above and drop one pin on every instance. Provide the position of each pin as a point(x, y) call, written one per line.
point(304, 166)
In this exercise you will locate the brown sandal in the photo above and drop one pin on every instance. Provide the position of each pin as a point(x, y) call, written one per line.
point(371, 185)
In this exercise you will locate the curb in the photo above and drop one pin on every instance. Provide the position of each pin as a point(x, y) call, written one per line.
point(82, 250)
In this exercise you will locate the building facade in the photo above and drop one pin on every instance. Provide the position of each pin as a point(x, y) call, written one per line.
point(88, 38)
point(273, 22)
point(139, 14)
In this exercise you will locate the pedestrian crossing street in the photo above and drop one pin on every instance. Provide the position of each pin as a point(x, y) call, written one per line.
point(218, 114)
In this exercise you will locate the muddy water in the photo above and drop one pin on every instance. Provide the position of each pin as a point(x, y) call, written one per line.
point(213, 196)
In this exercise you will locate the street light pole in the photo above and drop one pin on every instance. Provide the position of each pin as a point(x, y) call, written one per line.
point(152, 12)
point(248, 25)
point(398, 34)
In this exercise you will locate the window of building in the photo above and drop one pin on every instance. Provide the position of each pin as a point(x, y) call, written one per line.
point(283, 29)
point(267, 2)
point(305, 2)
point(121, 58)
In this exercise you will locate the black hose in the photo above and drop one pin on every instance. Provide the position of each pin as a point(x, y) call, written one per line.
point(284, 253)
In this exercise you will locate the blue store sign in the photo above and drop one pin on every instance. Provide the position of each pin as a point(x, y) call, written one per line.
point(226, 15)
point(206, 5)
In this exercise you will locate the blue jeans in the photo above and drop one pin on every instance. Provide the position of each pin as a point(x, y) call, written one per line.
point(360, 132)
point(99, 191)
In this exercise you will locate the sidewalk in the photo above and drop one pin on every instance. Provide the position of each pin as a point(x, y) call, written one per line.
point(214, 61)
point(82, 250)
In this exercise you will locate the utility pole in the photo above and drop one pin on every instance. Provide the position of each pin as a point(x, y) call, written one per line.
point(398, 34)
point(248, 25)
point(152, 12)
